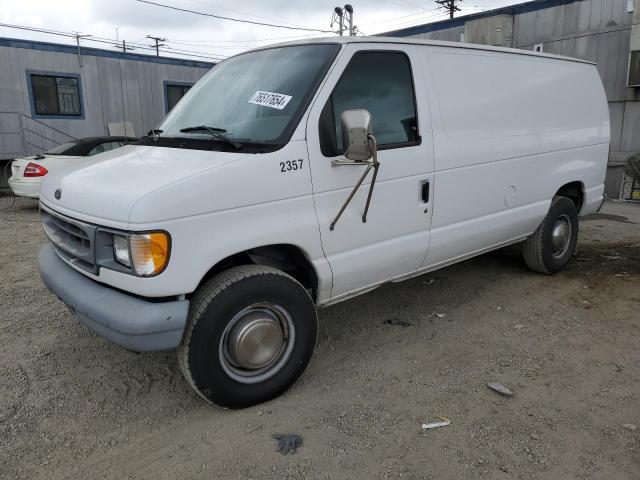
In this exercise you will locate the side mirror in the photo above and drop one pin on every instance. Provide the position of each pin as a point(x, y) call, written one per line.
point(356, 128)
point(359, 146)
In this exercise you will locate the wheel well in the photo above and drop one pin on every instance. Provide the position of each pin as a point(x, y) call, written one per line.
point(574, 192)
point(288, 258)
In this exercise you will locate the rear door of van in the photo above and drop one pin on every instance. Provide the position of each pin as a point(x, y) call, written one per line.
point(386, 80)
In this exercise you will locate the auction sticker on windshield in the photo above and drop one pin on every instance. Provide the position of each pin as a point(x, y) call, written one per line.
point(270, 99)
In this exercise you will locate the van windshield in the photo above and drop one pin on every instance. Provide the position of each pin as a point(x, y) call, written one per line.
point(253, 98)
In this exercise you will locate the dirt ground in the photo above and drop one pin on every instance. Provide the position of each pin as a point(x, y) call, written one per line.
point(74, 406)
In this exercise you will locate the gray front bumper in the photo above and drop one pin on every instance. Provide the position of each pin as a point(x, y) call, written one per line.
point(128, 321)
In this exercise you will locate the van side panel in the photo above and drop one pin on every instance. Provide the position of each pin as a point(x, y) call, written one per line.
point(509, 131)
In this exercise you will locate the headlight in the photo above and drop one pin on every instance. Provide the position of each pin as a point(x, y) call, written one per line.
point(146, 253)
point(121, 250)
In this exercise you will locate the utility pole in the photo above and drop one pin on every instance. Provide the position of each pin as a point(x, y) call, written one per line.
point(338, 16)
point(124, 46)
point(78, 37)
point(344, 16)
point(157, 41)
point(450, 6)
point(349, 14)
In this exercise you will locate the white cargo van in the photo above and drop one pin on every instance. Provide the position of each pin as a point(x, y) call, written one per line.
point(300, 175)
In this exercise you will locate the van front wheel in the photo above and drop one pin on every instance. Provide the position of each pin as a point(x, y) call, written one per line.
point(251, 333)
point(549, 248)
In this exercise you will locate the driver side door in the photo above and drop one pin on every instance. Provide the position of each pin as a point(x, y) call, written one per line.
point(394, 240)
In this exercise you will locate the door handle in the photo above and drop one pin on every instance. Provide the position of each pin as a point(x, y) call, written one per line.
point(425, 192)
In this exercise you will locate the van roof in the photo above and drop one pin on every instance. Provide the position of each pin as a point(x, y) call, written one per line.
point(419, 41)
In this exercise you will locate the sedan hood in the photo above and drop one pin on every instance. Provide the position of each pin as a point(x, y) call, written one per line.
point(109, 187)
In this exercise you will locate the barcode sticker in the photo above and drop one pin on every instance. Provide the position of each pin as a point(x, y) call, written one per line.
point(270, 99)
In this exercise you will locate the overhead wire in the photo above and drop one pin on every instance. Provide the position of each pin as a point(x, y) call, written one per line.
point(232, 19)
point(409, 23)
point(116, 43)
point(201, 2)
point(391, 20)
point(238, 43)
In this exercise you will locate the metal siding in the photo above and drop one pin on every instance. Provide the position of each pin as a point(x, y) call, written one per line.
point(618, 9)
point(605, 12)
point(594, 18)
point(547, 24)
point(621, 66)
point(7, 81)
point(570, 24)
point(584, 14)
point(101, 94)
point(453, 34)
point(630, 140)
point(554, 47)
point(146, 99)
point(628, 17)
point(132, 94)
point(526, 34)
point(607, 47)
point(587, 48)
point(92, 100)
point(616, 115)
point(111, 87)
point(557, 16)
point(568, 47)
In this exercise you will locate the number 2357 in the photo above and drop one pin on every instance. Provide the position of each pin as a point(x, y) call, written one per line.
point(290, 165)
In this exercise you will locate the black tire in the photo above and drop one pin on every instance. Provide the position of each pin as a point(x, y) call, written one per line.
point(203, 355)
point(539, 252)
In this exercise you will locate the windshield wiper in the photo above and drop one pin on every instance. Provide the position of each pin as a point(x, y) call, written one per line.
point(215, 132)
point(155, 134)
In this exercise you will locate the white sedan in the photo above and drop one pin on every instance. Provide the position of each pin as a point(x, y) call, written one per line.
point(27, 172)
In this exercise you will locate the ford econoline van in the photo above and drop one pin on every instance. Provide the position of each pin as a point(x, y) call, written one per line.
point(299, 175)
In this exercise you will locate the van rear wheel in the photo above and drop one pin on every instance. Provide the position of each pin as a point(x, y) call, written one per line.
point(251, 333)
point(549, 248)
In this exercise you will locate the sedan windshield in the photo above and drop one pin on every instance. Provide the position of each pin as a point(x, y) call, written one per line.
point(254, 98)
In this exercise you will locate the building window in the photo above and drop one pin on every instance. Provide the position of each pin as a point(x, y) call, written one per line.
point(55, 95)
point(174, 92)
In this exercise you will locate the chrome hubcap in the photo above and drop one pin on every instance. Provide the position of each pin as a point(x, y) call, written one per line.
point(561, 236)
point(257, 342)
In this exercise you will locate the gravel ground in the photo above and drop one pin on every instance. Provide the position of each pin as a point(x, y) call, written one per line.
point(74, 406)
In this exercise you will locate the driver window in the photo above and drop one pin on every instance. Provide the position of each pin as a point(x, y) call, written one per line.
point(380, 82)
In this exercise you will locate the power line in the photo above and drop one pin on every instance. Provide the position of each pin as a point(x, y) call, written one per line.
point(204, 14)
point(416, 21)
point(195, 42)
point(115, 43)
point(241, 12)
point(403, 4)
point(406, 16)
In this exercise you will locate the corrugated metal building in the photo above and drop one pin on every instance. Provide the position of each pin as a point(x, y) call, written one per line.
point(602, 31)
point(49, 93)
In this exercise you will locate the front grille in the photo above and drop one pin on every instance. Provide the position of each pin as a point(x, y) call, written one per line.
point(71, 238)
